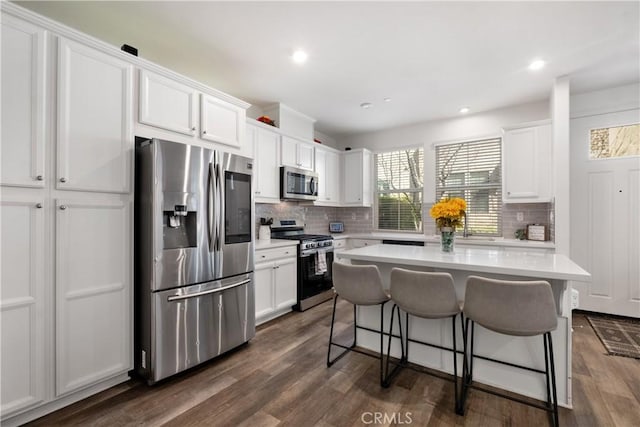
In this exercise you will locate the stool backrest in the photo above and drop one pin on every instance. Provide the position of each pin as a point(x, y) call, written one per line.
point(424, 294)
point(359, 284)
point(522, 308)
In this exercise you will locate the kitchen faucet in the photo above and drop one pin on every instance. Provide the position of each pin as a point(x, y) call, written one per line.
point(465, 231)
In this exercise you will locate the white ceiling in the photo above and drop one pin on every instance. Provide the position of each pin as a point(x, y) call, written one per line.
point(430, 58)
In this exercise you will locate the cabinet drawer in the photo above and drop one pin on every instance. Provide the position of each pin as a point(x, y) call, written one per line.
point(339, 244)
point(264, 255)
point(359, 243)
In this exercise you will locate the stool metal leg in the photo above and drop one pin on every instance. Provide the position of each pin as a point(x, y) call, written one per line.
point(333, 318)
point(553, 381)
point(455, 364)
point(382, 382)
point(389, 375)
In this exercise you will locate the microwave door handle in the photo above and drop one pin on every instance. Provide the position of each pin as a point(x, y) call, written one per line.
point(210, 205)
point(312, 186)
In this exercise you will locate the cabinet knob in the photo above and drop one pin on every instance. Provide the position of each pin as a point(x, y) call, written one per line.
point(39, 205)
point(40, 177)
point(63, 207)
point(508, 192)
point(193, 128)
point(63, 179)
point(204, 132)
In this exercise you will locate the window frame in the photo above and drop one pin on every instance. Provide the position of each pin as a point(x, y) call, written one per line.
point(499, 203)
point(377, 192)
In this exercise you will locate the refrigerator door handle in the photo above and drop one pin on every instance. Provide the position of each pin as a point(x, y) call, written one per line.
point(211, 291)
point(210, 205)
point(218, 216)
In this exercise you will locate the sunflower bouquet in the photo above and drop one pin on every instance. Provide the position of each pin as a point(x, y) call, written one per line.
point(449, 212)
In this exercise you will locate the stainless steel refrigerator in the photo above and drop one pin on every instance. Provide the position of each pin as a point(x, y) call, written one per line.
point(194, 256)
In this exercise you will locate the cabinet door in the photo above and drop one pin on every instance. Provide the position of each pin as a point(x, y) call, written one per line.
point(266, 161)
point(520, 174)
point(263, 278)
point(93, 292)
point(305, 156)
point(289, 152)
point(321, 170)
point(285, 285)
point(221, 122)
point(352, 178)
point(23, 104)
point(95, 141)
point(22, 288)
point(332, 171)
point(167, 104)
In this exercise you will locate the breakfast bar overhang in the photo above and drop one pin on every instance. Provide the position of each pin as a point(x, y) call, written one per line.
point(509, 264)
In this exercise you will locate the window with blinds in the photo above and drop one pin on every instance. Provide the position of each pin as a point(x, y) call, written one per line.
point(399, 184)
point(471, 170)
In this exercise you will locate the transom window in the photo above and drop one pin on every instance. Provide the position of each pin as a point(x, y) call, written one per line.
point(617, 141)
point(399, 184)
point(472, 171)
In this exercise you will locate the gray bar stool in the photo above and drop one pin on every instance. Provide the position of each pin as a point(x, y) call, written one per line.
point(516, 308)
point(359, 285)
point(428, 296)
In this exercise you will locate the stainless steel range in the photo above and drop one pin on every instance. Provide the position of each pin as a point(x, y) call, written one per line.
point(315, 257)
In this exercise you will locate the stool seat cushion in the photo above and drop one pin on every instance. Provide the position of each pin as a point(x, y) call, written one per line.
point(520, 308)
point(424, 294)
point(359, 284)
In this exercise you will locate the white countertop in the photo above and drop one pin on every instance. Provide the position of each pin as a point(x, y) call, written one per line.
point(273, 243)
point(517, 263)
point(470, 241)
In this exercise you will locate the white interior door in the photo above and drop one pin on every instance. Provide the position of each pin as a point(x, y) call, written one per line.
point(605, 214)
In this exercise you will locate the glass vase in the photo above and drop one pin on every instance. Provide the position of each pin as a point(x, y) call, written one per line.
point(447, 239)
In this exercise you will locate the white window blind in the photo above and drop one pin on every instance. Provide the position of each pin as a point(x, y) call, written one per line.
point(399, 184)
point(472, 171)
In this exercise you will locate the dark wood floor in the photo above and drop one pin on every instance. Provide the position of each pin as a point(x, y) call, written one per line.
point(280, 378)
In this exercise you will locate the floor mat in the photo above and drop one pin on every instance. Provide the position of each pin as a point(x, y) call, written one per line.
point(621, 337)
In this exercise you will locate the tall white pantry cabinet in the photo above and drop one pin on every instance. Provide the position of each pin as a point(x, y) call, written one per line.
point(66, 216)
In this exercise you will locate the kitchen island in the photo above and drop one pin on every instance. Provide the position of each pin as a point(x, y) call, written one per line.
point(557, 269)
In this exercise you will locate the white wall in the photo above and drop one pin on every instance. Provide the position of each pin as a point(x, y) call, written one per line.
point(610, 100)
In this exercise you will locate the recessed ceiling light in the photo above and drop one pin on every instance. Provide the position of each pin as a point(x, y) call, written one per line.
point(365, 105)
point(536, 65)
point(387, 100)
point(464, 110)
point(299, 56)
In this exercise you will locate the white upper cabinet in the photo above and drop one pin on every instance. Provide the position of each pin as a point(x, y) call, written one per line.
point(527, 164)
point(93, 292)
point(23, 104)
point(221, 121)
point(357, 178)
point(22, 314)
point(296, 153)
point(167, 104)
point(95, 140)
point(328, 169)
point(266, 165)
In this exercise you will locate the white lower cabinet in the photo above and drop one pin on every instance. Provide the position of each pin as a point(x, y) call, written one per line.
point(276, 282)
point(22, 303)
point(93, 293)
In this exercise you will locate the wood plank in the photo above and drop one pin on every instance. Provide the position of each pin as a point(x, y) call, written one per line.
point(280, 378)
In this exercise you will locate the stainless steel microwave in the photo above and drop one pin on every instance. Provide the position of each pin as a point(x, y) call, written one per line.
point(298, 184)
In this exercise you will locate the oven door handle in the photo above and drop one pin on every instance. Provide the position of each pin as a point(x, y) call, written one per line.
point(210, 291)
point(305, 254)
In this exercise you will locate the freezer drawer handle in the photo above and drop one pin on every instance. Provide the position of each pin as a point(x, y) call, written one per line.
point(211, 291)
